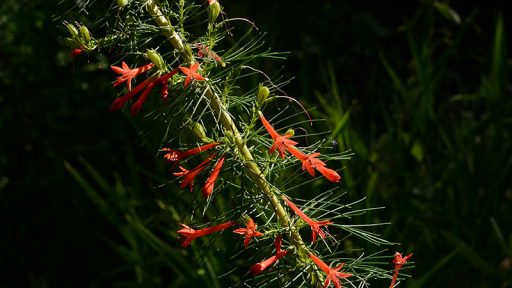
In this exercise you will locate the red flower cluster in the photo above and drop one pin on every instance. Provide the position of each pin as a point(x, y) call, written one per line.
point(127, 75)
point(175, 156)
point(282, 143)
point(189, 175)
point(249, 232)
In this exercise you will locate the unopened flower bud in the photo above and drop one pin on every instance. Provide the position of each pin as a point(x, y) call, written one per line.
point(72, 30)
point(122, 3)
point(290, 132)
point(156, 59)
point(199, 131)
point(263, 93)
point(84, 34)
point(244, 219)
point(214, 10)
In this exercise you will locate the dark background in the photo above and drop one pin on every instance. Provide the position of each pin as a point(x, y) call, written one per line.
point(432, 145)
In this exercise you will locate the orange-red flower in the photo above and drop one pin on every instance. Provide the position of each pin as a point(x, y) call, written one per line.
point(210, 182)
point(191, 73)
point(162, 80)
point(315, 226)
point(398, 260)
point(249, 232)
point(332, 274)
point(281, 142)
point(175, 156)
point(190, 175)
point(146, 86)
point(128, 74)
point(191, 234)
point(310, 163)
point(260, 267)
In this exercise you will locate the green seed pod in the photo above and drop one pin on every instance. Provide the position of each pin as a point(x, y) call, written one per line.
point(263, 93)
point(156, 59)
point(84, 34)
point(199, 131)
point(122, 3)
point(214, 10)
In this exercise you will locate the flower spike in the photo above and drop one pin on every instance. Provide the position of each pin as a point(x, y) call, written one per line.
point(249, 232)
point(310, 163)
point(281, 142)
point(315, 226)
point(191, 73)
point(332, 274)
point(260, 267)
point(191, 234)
point(398, 260)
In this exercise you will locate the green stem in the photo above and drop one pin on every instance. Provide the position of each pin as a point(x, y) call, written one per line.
point(229, 125)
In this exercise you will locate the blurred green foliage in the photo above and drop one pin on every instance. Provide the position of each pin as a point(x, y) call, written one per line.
point(419, 90)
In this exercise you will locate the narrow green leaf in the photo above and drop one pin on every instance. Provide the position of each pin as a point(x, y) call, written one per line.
point(447, 12)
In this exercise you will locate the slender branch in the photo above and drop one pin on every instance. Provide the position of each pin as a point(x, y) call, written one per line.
point(228, 124)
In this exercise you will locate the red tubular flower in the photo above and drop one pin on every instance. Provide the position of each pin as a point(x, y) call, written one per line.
point(310, 163)
point(210, 2)
point(398, 261)
point(332, 274)
point(162, 80)
point(281, 143)
point(128, 74)
point(210, 182)
point(175, 156)
point(249, 232)
point(138, 104)
point(191, 234)
point(315, 226)
point(77, 52)
point(260, 267)
point(191, 73)
point(190, 175)
point(119, 102)
point(146, 86)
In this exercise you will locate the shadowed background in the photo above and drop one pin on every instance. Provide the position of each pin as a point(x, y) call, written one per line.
point(422, 98)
